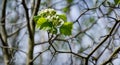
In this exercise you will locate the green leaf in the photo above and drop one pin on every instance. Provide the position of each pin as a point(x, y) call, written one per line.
point(35, 18)
point(66, 28)
point(40, 21)
point(63, 17)
point(53, 30)
point(53, 25)
point(117, 2)
point(46, 26)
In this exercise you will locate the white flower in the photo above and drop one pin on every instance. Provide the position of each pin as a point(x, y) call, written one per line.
point(51, 16)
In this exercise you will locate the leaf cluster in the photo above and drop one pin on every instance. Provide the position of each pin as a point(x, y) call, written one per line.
point(48, 20)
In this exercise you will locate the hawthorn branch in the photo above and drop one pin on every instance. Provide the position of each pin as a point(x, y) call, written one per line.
point(113, 28)
point(16, 31)
point(3, 35)
point(111, 56)
point(30, 38)
point(13, 49)
point(31, 30)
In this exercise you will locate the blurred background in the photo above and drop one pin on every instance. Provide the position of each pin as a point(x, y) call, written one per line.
point(93, 20)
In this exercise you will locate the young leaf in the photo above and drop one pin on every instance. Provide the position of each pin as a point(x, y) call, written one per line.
point(53, 30)
point(36, 18)
point(66, 28)
point(63, 17)
point(46, 26)
point(40, 21)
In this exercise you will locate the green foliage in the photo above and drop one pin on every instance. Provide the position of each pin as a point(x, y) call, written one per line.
point(36, 18)
point(63, 17)
point(117, 2)
point(46, 26)
point(66, 28)
point(39, 21)
point(49, 21)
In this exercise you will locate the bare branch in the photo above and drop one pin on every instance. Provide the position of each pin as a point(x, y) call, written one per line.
point(111, 56)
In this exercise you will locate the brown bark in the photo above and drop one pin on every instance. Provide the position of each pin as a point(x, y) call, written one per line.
point(3, 35)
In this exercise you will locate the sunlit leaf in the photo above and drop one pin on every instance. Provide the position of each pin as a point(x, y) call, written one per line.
point(63, 17)
point(46, 26)
point(66, 28)
point(36, 18)
point(53, 30)
point(40, 21)
point(55, 23)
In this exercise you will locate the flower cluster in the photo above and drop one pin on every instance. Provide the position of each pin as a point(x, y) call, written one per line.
point(51, 16)
point(52, 22)
point(46, 12)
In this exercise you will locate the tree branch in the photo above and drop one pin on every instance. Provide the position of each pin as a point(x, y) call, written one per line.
point(111, 56)
point(3, 35)
point(31, 30)
point(113, 28)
